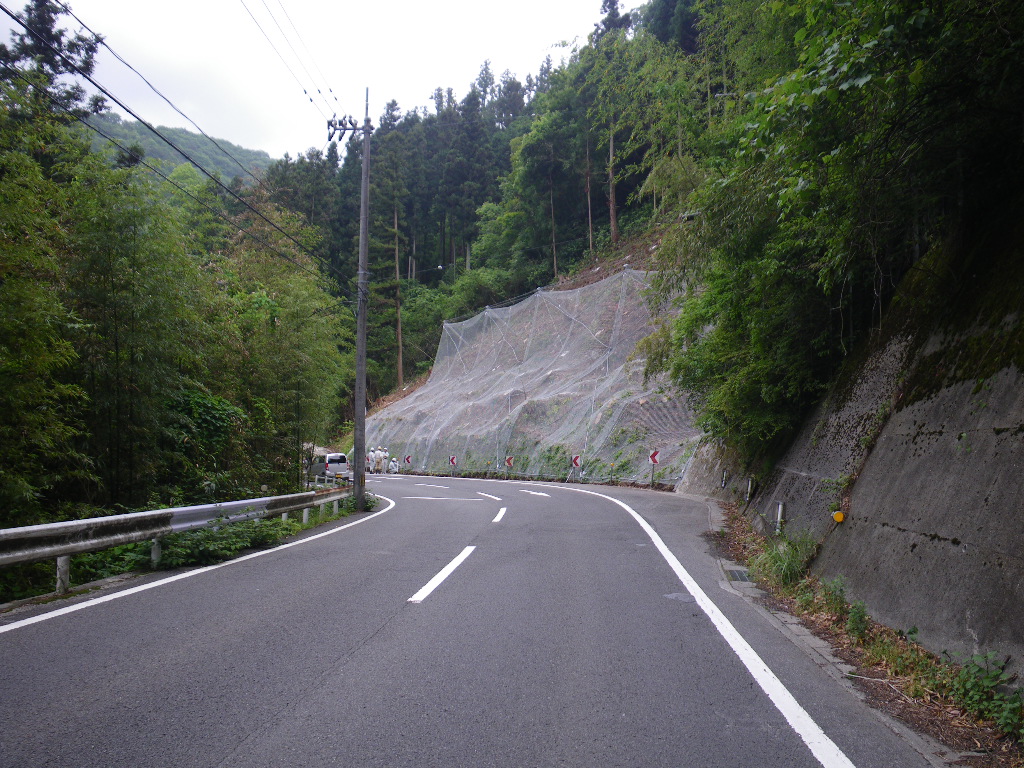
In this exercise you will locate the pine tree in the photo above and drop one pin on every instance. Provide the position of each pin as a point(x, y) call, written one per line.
point(44, 53)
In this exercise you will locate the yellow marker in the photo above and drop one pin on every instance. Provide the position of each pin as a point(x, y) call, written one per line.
point(838, 516)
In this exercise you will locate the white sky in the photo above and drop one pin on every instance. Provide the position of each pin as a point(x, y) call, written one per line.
point(211, 60)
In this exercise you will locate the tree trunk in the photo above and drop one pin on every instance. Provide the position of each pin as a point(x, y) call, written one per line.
point(590, 212)
point(398, 301)
point(554, 239)
point(412, 258)
point(611, 185)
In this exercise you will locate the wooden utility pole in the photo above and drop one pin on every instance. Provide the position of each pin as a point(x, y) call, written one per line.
point(398, 301)
point(358, 463)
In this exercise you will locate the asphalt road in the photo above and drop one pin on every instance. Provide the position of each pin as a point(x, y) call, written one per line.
point(466, 623)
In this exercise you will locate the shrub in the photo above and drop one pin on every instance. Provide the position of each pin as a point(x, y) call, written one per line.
point(206, 546)
point(784, 560)
point(857, 620)
point(833, 596)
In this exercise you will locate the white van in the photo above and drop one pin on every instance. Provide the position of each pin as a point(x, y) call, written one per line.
point(331, 466)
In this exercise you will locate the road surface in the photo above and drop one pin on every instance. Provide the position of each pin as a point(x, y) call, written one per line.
point(465, 623)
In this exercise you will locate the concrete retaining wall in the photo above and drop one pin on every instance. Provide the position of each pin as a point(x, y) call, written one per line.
point(934, 537)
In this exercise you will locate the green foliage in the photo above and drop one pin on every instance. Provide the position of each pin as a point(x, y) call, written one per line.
point(842, 142)
point(93, 566)
point(833, 596)
point(20, 581)
point(784, 560)
point(38, 417)
point(979, 685)
point(206, 546)
point(857, 620)
point(198, 148)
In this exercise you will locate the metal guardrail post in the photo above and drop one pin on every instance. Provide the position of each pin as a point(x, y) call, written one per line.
point(305, 515)
point(156, 551)
point(58, 541)
point(335, 507)
point(63, 574)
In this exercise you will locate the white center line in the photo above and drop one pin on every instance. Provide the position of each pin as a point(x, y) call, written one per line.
point(437, 498)
point(534, 493)
point(501, 514)
point(488, 496)
point(443, 574)
point(428, 485)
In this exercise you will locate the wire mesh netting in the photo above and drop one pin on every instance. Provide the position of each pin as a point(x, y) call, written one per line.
point(543, 381)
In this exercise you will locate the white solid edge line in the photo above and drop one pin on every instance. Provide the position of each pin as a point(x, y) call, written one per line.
point(501, 514)
point(188, 574)
point(443, 574)
point(822, 747)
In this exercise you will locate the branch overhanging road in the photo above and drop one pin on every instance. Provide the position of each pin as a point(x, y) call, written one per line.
point(479, 626)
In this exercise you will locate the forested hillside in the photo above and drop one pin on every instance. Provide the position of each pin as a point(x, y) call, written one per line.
point(796, 158)
point(220, 156)
point(169, 339)
point(163, 340)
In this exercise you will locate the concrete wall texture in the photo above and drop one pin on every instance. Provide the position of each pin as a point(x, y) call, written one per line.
point(934, 537)
point(921, 444)
point(929, 434)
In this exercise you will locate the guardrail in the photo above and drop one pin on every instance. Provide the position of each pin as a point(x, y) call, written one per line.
point(59, 541)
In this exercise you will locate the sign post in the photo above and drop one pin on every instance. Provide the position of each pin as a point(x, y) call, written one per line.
point(509, 460)
point(408, 462)
point(576, 467)
point(653, 458)
point(453, 462)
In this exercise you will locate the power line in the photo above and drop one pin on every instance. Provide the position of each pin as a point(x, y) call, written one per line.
point(141, 161)
point(312, 58)
point(296, 53)
point(103, 42)
point(156, 132)
point(287, 66)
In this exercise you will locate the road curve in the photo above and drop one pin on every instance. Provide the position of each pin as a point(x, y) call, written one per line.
point(467, 623)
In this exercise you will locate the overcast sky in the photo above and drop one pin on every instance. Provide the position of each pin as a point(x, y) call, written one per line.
point(211, 59)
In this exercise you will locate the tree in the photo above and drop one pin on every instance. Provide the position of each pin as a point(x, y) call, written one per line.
point(282, 352)
point(133, 287)
point(673, 21)
point(388, 192)
point(46, 54)
point(613, 20)
point(38, 403)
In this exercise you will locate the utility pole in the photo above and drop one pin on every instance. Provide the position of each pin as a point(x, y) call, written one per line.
point(342, 126)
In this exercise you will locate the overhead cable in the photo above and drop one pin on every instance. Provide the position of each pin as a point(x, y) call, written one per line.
point(129, 152)
point(103, 42)
point(312, 58)
point(296, 53)
point(283, 61)
point(74, 67)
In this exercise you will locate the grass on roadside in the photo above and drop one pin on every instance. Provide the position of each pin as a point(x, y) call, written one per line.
point(978, 687)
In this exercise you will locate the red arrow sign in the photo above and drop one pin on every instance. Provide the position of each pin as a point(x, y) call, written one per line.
point(451, 460)
point(408, 459)
point(654, 457)
point(575, 461)
point(508, 461)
